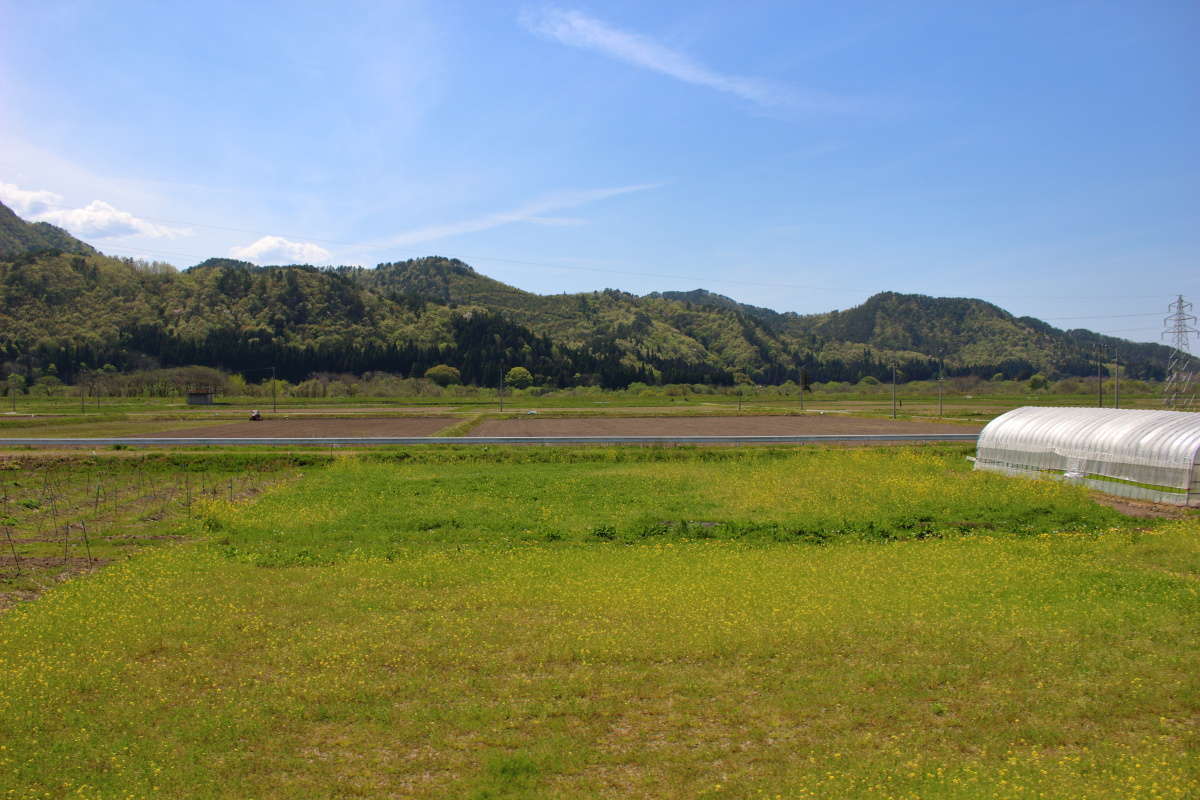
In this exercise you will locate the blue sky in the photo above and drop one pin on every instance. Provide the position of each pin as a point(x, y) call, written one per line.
point(1042, 156)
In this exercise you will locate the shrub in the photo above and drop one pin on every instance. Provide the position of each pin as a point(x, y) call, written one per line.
point(606, 532)
point(443, 375)
point(519, 378)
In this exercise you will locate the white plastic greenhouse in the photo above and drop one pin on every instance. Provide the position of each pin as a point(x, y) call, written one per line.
point(1149, 455)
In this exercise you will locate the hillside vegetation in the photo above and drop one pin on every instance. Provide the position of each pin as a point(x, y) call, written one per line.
point(62, 303)
point(18, 236)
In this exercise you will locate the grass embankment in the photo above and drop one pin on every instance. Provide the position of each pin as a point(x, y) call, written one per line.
point(449, 626)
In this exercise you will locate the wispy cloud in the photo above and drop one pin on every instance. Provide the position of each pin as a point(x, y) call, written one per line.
point(278, 250)
point(535, 212)
point(576, 29)
point(557, 222)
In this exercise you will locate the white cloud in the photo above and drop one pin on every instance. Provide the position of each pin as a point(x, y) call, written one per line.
point(575, 29)
point(27, 202)
point(534, 212)
point(277, 250)
point(102, 219)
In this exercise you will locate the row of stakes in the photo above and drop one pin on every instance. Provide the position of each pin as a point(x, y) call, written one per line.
point(53, 492)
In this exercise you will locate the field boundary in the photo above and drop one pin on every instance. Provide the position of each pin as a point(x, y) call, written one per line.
point(128, 441)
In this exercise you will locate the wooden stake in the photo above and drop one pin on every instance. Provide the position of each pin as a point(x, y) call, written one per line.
point(8, 533)
point(13, 547)
point(87, 545)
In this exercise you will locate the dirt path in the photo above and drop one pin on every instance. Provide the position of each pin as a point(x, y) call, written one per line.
point(1143, 509)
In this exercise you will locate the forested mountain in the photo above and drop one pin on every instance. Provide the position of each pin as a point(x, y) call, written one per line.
point(77, 309)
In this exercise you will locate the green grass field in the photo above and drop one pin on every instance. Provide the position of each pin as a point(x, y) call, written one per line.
point(528, 623)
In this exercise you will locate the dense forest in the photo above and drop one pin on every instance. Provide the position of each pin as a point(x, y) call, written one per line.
point(68, 311)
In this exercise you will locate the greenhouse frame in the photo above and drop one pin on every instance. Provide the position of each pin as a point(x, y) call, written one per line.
point(1147, 455)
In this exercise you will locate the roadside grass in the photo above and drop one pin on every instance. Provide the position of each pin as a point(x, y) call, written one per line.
point(566, 623)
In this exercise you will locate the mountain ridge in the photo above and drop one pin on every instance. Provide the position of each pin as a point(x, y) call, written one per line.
point(72, 306)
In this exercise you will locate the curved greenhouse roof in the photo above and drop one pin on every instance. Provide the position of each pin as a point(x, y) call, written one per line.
point(1147, 454)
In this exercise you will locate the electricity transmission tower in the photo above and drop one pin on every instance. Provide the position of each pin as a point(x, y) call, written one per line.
point(1179, 390)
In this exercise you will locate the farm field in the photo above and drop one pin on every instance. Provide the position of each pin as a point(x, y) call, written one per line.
point(655, 622)
point(64, 515)
point(32, 416)
point(320, 426)
point(749, 425)
point(554, 423)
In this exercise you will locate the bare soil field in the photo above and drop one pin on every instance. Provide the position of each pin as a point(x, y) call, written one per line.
point(315, 427)
point(1142, 509)
point(831, 425)
point(381, 411)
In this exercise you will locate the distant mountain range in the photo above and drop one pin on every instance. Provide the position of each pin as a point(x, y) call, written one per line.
point(64, 303)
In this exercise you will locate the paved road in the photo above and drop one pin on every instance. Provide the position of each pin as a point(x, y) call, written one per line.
point(366, 441)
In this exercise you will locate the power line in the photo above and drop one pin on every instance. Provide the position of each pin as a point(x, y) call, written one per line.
point(717, 281)
point(1107, 316)
point(802, 287)
point(161, 252)
point(370, 246)
point(1129, 330)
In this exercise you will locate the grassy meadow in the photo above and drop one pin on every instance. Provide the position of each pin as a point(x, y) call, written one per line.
point(576, 623)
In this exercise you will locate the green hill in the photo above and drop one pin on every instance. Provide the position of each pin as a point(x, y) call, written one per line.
point(70, 306)
point(18, 236)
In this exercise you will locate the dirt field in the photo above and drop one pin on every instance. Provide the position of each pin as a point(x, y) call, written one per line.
point(381, 411)
point(316, 426)
point(829, 424)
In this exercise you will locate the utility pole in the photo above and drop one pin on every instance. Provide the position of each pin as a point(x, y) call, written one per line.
point(1116, 379)
point(1179, 389)
point(500, 386)
point(893, 390)
point(274, 387)
point(941, 381)
point(1100, 377)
